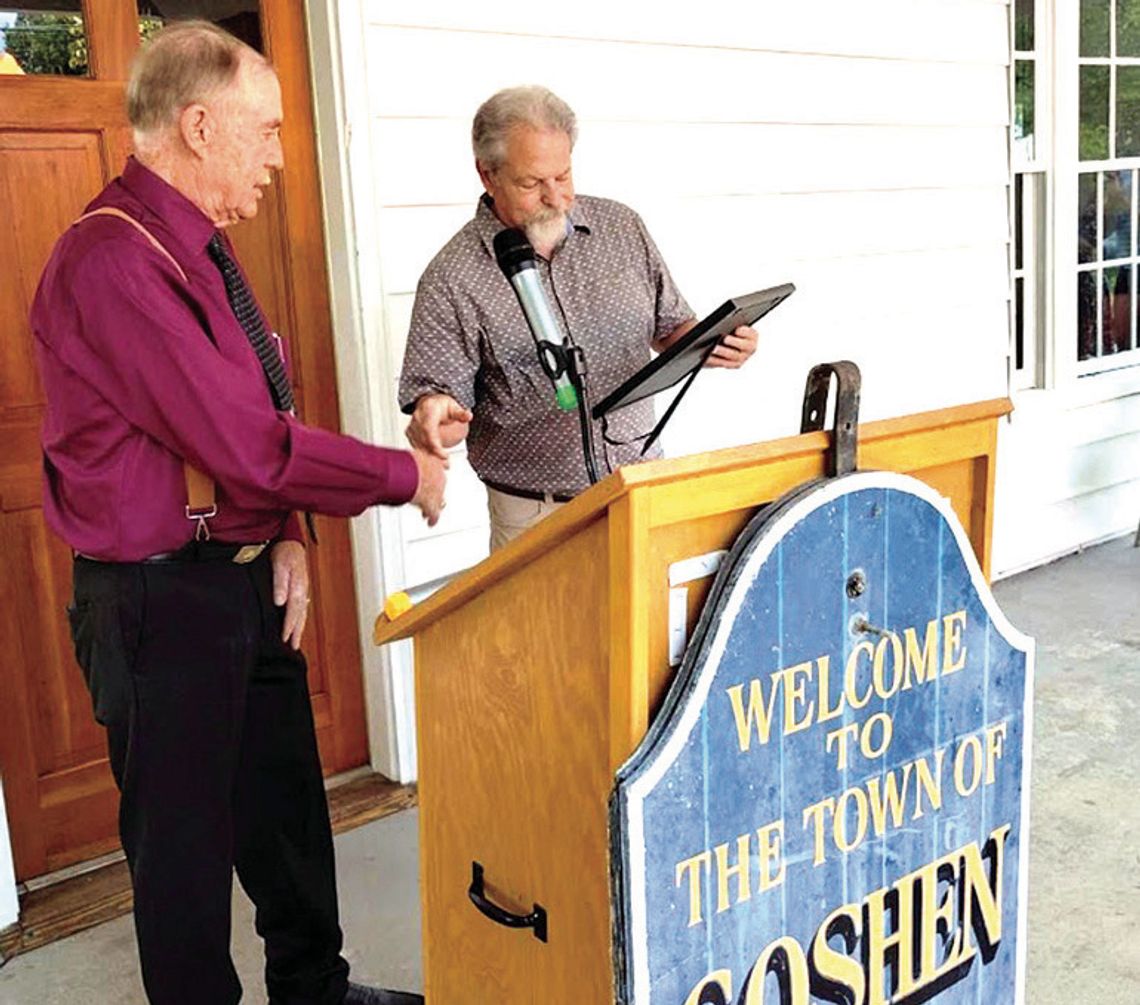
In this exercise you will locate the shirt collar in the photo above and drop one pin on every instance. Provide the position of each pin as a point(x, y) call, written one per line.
point(487, 225)
point(186, 223)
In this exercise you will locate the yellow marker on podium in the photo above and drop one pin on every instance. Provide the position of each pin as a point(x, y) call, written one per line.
point(397, 604)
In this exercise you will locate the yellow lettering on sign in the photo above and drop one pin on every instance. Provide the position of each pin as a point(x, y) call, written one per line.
point(836, 972)
point(950, 907)
point(851, 670)
point(759, 711)
point(888, 800)
point(771, 840)
point(725, 872)
point(953, 652)
point(924, 661)
point(692, 866)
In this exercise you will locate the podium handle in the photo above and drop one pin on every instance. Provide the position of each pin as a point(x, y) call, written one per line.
point(536, 919)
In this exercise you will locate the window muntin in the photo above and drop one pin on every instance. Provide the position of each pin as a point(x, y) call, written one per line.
point(1108, 147)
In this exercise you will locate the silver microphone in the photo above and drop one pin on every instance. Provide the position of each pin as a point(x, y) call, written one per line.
point(516, 258)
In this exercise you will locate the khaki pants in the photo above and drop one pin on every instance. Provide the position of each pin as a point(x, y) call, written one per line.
point(511, 515)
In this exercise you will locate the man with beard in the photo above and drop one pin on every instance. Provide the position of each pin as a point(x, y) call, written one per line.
point(470, 367)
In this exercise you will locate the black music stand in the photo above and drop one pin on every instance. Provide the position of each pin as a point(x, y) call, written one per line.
point(685, 357)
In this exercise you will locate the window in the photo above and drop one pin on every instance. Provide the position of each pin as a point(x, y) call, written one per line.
point(1108, 149)
point(1028, 148)
point(40, 41)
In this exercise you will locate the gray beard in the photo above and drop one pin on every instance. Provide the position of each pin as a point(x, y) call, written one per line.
point(547, 233)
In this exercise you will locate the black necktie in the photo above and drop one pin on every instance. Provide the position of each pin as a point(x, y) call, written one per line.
point(249, 317)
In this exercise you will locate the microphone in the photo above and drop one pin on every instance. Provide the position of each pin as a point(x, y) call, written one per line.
point(516, 258)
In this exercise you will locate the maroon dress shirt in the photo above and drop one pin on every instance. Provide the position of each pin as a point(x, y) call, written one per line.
point(142, 370)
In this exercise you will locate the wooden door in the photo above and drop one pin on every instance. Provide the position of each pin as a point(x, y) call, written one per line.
point(61, 140)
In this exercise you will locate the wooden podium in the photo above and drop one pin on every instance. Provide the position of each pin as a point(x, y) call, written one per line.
point(538, 672)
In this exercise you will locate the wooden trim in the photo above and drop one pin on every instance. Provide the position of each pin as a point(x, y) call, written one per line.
point(735, 458)
point(629, 590)
point(29, 102)
point(285, 33)
point(989, 473)
point(804, 451)
point(112, 37)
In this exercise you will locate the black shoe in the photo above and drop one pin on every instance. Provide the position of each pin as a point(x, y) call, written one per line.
point(358, 994)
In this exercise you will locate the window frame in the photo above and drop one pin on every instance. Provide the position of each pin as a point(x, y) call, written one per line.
point(1099, 376)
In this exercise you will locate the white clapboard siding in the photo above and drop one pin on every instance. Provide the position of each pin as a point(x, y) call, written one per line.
point(746, 231)
point(857, 150)
point(1066, 454)
point(901, 357)
point(1068, 472)
point(428, 162)
point(1059, 528)
point(932, 30)
point(677, 83)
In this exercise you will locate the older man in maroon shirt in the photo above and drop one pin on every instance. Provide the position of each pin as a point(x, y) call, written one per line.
point(163, 382)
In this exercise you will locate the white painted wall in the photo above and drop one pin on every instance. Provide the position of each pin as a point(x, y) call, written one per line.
point(857, 150)
point(9, 904)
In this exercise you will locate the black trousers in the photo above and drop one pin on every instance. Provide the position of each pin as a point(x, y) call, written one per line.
point(212, 745)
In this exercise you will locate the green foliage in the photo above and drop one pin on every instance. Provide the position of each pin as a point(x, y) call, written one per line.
point(148, 26)
point(1095, 16)
point(1128, 28)
point(1093, 143)
point(49, 43)
point(1023, 25)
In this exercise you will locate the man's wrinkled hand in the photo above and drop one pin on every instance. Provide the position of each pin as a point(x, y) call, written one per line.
point(429, 490)
point(291, 588)
point(734, 350)
point(438, 422)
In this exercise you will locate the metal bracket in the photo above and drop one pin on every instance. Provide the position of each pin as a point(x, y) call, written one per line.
point(845, 440)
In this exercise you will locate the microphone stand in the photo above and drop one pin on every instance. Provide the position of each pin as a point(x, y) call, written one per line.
point(576, 370)
point(570, 360)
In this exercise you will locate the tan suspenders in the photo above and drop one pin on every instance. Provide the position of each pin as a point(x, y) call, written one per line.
point(201, 498)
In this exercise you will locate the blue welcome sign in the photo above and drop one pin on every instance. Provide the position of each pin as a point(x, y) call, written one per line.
point(833, 804)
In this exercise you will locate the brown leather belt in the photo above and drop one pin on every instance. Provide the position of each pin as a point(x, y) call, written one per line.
point(528, 493)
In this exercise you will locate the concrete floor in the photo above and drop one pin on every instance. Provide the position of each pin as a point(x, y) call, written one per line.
point(377, 869)
point(1084, 850)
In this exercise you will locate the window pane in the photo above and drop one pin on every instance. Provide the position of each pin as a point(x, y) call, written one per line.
point(239, 17)
point(1086, 315)
point(1117, 215)
point(1094, 113)
point(1086, 218)
point(1094, 28)
point(1128, 27)
point(1018, 225)
point(49, 41)
point(1023, 25)
point(1128, 111)
point(1116, 332)
point(1023, 103)
point(1019, 323)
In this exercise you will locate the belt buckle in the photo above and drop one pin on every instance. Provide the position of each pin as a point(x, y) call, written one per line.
point(248, 552)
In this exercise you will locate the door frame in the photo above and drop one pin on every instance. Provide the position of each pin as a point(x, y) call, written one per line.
point(341, 118)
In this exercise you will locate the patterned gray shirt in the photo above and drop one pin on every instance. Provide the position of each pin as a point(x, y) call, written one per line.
point(469, 339)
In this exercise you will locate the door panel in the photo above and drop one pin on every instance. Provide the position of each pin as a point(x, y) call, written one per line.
point(61, 140)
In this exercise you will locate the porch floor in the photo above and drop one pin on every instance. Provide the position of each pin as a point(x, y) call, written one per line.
point(1084, 904)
